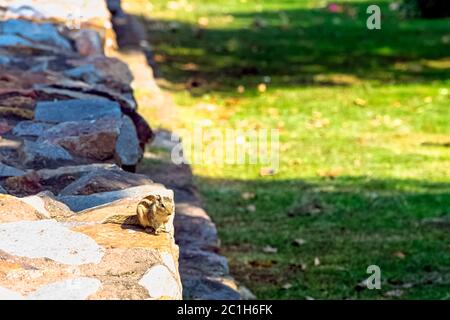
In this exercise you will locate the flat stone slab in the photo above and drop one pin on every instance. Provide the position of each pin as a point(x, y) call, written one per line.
point(8, 171)
point(31, 128)
point(79, 203)
point(46, 174)
point(76, 110)
point(103, 181)
point(127, 145)
point(11, 40)
point(42, 154)
point(38, 32)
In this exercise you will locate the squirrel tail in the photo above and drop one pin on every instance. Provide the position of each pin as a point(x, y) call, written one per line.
point(126, 220)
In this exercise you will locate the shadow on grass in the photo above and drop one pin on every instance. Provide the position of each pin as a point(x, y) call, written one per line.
point(298, 238)
point(327, 232)
point(315, 47)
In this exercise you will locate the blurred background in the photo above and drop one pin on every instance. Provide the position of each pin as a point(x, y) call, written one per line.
point(364, 122)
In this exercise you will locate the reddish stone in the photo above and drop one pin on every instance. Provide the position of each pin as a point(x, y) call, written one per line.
point(94, 139)
point(24, 185)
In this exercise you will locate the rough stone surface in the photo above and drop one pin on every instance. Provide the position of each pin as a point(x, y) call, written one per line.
point(47, 206)
point(104, 181)
point(160, 283)
point(73, 289)
point(127, 145)
point(43, 153)
point(30, 128)
point(49, 239)
point(86, 72)
point(43, 32)
point(46, 174)
point(75, 110)
point(24, 185)
point(11, 40)
point(13, 209)
point(93, 139)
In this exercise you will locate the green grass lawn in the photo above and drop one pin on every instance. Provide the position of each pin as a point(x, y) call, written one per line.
point(364, 118)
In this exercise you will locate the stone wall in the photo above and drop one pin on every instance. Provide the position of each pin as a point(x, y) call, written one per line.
point(69, 128)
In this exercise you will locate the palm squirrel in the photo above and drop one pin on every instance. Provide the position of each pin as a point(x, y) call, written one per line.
point(154, 213)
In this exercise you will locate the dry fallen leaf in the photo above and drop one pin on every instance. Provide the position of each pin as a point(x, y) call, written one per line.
point(394, 293)
point(360, 102)
point(287, 286)
point(270, 249)
point(262, 263)
point(316, 261)
point(330, 174)
point(262, 87)
point(203, 21)
point(241, 89)
point(399, 254)
point(298, 242)
point(247, 195)
point(266, 172)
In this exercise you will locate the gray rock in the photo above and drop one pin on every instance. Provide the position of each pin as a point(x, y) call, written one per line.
point(200, 262)
point(75, 110)
point(94, 139)
point(10, 40)
point(46, 174)
point(44, 32)
point(166, 140)
point(68, 93)
point(194, 227)
point(48, 239)
point(42, 154)
point(127, 145)
point(205, 288)
point(5, 60)
point(8, 171)
point(104, 180)
point(30, 128)
point(246, 294)
point(87, 73)
point(79, 203)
